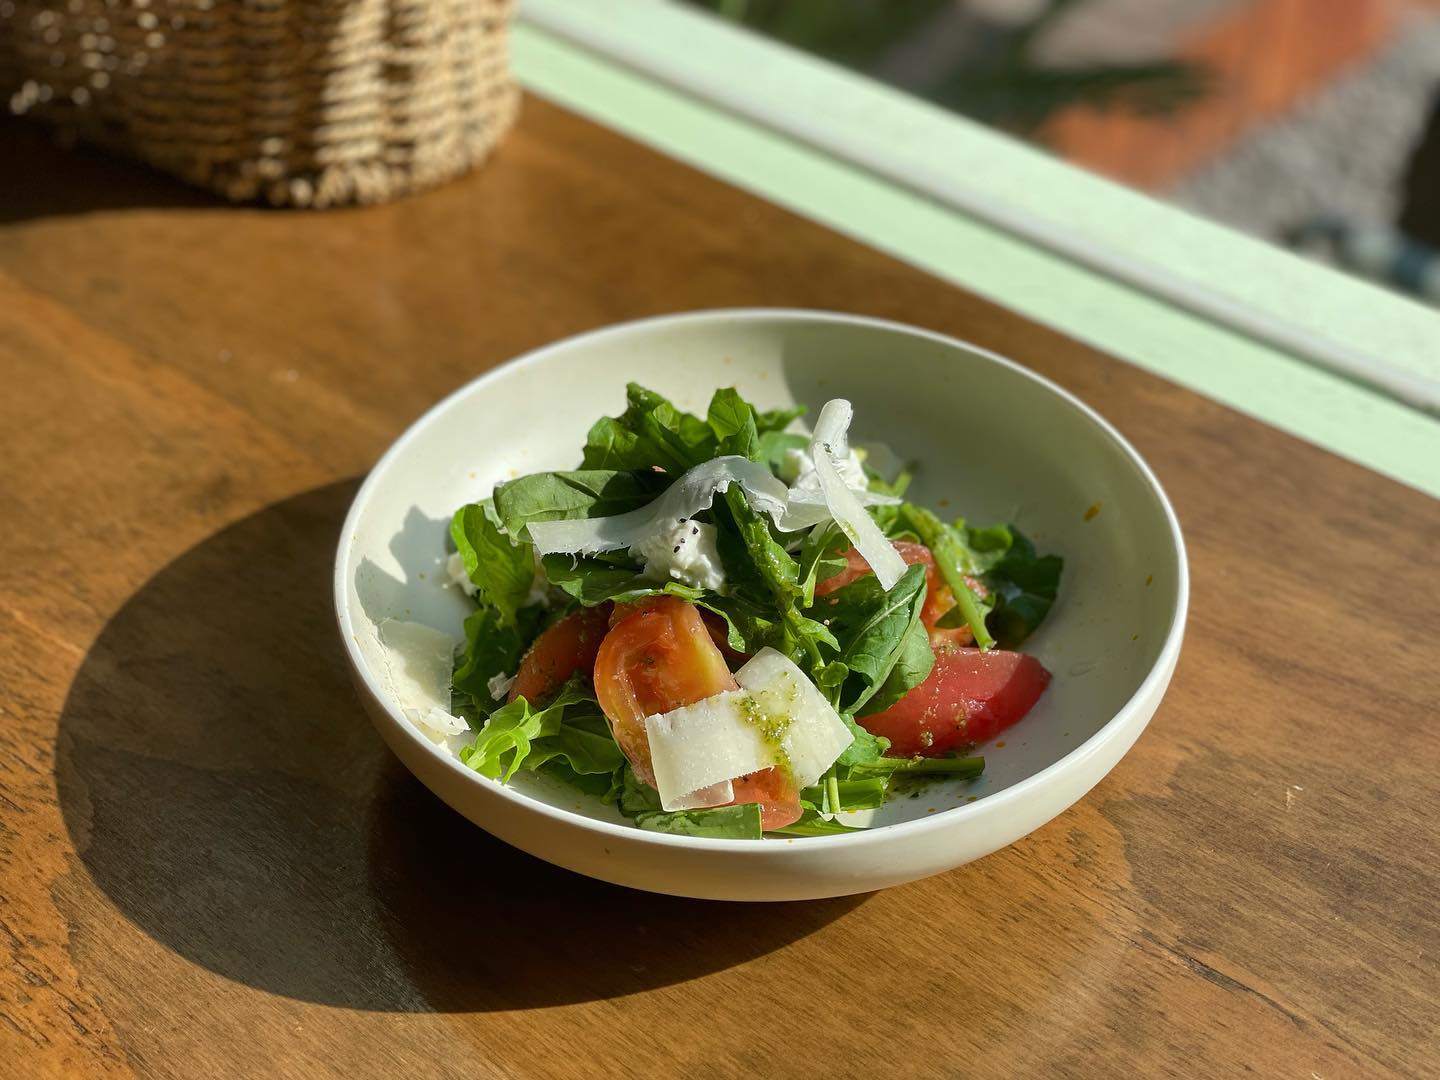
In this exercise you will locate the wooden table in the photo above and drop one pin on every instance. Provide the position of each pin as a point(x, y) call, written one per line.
point(209, 865)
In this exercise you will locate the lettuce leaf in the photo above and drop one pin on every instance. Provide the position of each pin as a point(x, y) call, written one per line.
point(519, 736)
point(492, 647)
point(501, 569)
point(811, 823)
point(721, 822)
point(593, 579)
point(583, 493)
point(774, 444)
point(641, 802)
point(732, 420)
point(762, 573)
point(777, 420)
point(650, 432)
point(1023, 585)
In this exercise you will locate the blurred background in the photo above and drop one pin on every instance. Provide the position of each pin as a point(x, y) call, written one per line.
point(1312, 123)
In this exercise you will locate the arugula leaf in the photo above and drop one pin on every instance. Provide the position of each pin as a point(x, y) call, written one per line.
point(761, 571)
point(864, 794)
point(636, 796)
point(650, 432)
point(777, 420)
point(1023, 585)
point(954, 559)
point(722, 822)
point(914, 660)
point(749, 627)
point(957, 768)
point(603, 786)
point(875, 629)
point(492, 647)
point(501, 569)
point(773, 445)
point(584, 742)
point(519, 736)
point(821, 557)
point(864, 749)
point(594, 579)
point(732, 419)
point(584, 493)
point(641, 802)
point(811, 823)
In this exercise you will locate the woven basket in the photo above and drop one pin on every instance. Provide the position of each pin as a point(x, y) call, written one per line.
point(301, 102)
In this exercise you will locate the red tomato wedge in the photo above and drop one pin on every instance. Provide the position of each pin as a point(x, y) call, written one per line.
point(938, 597)
point(657, 658)
point(969, 696)
point(566, 647)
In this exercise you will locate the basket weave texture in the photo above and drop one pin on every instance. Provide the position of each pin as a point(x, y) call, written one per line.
point(300, 102)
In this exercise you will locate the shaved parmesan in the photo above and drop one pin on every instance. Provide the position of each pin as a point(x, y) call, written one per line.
point(807, 505)
point(418, 664)
point(697, 747)
point(830, 484)
point(694, 491)
point(777, 719)
point(816, 736)
point(828, 446)
point(499, 685)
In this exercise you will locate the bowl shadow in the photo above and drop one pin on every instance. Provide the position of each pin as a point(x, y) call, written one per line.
point(224, 789)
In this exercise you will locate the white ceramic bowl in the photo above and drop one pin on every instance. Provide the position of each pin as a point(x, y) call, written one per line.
point(996, 442)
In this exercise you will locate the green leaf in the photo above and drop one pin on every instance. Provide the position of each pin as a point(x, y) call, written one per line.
point(637, 797)
point(749, 626)
point(732, 420)
point(774, 421)
point(501, 569)
point(584, 742)
point(811, 823)
point(584, 493)
point(913, 663)
point(955, 768)
point(774, 444)
point(864, 794)
point(594, 579)
point(875, 629)
point(650, 432)
point(761, 572)
point(517, 736)
point(821, 558)
point(721, 822)
point(1023, 585)
point(750, 553)
point(603, 786)
point(865, 748)
point(492, 647)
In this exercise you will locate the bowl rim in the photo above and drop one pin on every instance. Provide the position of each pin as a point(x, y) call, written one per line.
point(1154, 680)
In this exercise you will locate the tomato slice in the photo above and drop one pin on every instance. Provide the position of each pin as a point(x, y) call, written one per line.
point(776, 794)
point(969, 696)
point(938, 597)
point(719, 631)
point(659, 657)
point(563, 649)
point(656, 658)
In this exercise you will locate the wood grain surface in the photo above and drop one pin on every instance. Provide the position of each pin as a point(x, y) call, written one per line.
point(210, 866)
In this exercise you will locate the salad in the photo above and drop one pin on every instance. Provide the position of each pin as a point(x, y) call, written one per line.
point(729, 628)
